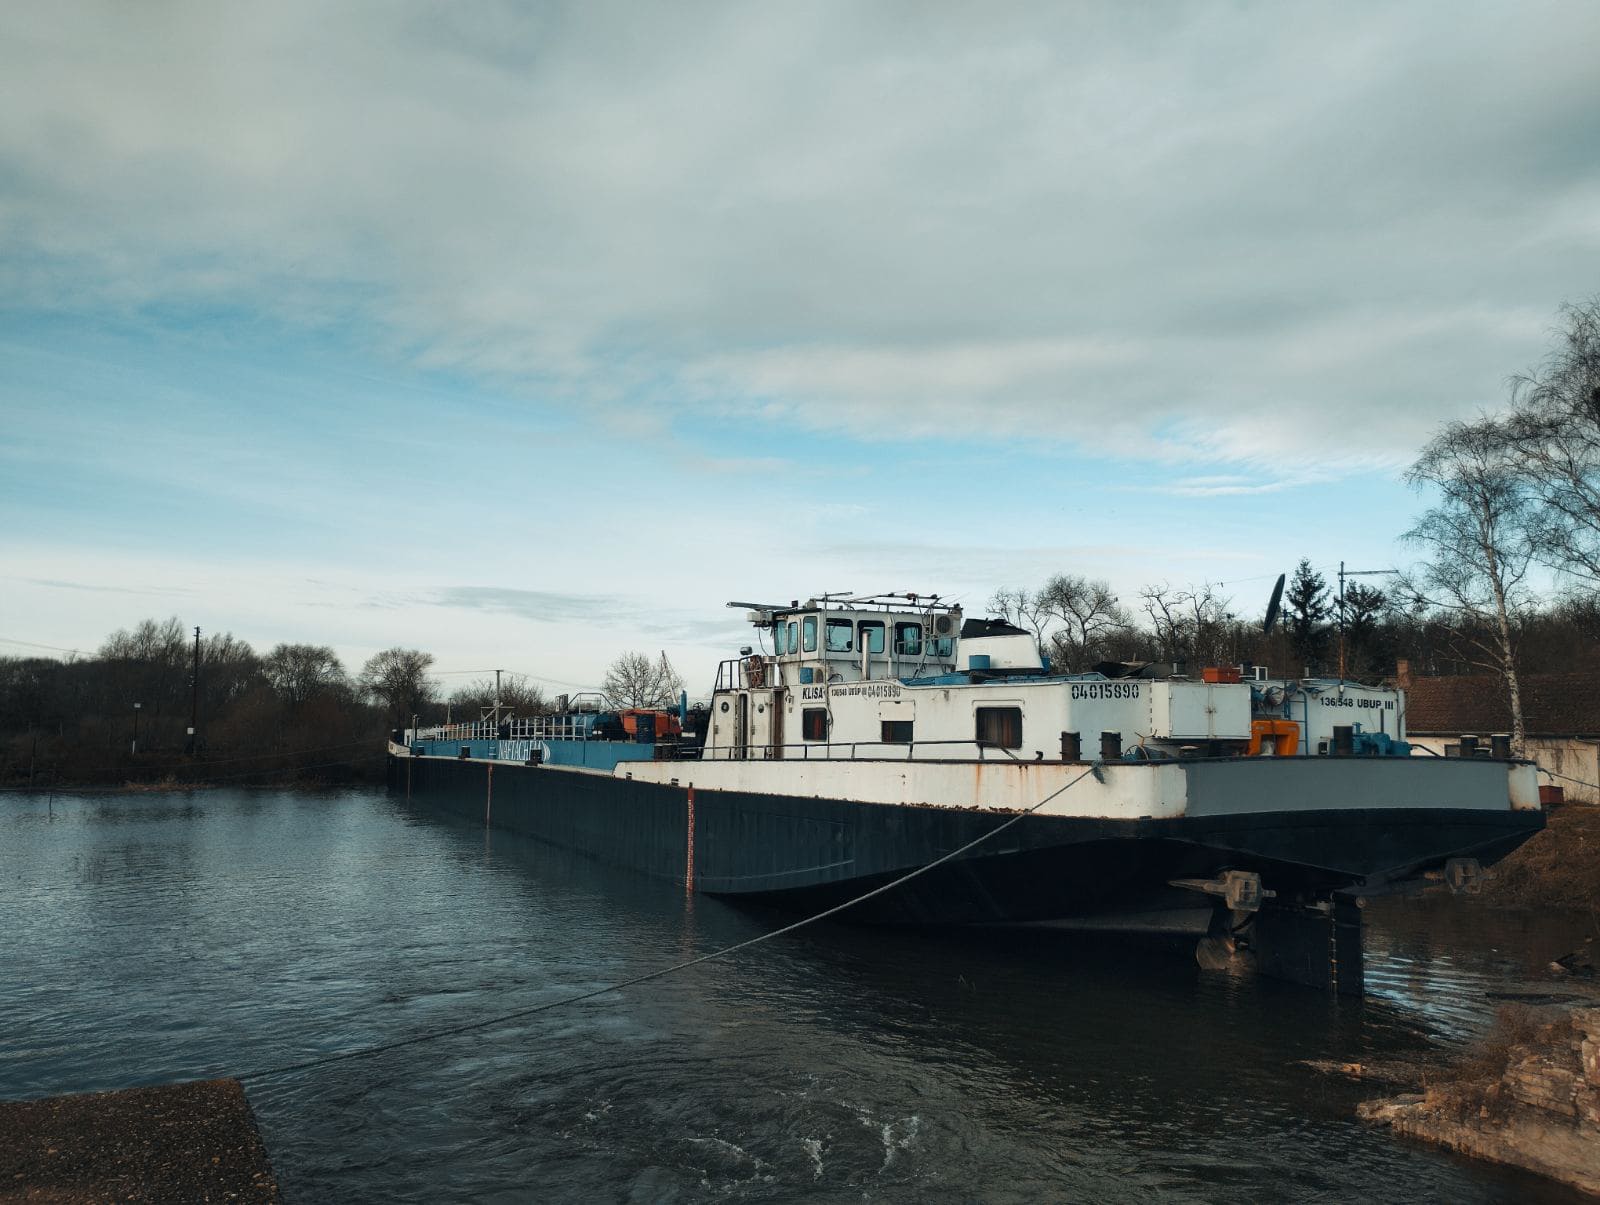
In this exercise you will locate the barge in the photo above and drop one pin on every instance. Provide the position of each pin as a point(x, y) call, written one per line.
point(862, 738)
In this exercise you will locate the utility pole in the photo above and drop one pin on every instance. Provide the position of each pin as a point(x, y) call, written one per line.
point(194, 701)
point(497, 699)
point(1344, 573)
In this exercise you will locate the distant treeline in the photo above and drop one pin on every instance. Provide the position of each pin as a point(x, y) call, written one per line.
point(293, 714)
point(155, 704)
point(1081, 622)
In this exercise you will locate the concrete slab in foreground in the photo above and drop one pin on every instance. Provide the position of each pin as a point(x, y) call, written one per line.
point(178, 1142)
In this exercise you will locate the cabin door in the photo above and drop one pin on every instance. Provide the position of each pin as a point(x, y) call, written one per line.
point(741, 727)
point(777, 723)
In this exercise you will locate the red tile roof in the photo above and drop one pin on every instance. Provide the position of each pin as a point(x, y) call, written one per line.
point(1552, 705)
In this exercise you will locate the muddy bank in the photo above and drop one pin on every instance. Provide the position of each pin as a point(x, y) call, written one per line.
point(1558, 868)
point(1527, 1095)
point(178, 1142)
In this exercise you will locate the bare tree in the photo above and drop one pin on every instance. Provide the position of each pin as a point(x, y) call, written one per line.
point(1189, 623)
point(1022, 609)
point(1477, 537)
point(1163, 606)
point(1211, 625)
point(633, 680)
point(1555, 428)
point(150, 664)
point(398, 679)
point(231, 669)
point(518, 694)
point(298, 672)
point(1088, 612)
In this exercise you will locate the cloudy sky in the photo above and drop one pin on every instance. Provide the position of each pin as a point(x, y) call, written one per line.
point(529, 333)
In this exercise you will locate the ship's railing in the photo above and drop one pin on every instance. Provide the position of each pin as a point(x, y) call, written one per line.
point(567, 727)
point(570, 726)
point(475, 731)
point(853, 751)
point(745, 673)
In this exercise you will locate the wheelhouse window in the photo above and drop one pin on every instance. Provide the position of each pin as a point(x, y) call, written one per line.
point(793, 643)
point(908, 639)
point(814, 724)
point(810, 630)
point(780, 639)
point(896, 732)
point(840, 635)
point(871, 634)
point(1000, 727)
point(944, 647)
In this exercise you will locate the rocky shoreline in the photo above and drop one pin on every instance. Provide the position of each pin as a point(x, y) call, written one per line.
point(1528, 1097)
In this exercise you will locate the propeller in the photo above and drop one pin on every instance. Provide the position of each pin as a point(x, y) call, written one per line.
point(1273, 603)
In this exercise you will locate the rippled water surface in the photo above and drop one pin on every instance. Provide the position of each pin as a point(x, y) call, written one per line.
point(154, 937)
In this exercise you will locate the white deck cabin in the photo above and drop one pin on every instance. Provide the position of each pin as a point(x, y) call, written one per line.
point(903, 677)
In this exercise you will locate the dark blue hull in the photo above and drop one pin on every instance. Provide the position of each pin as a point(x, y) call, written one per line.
point(811, 853)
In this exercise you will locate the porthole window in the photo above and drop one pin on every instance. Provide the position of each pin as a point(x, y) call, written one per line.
point(724, 705)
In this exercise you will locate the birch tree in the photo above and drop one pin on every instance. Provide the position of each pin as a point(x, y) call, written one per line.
point(1477, 547)
point(1555, 428)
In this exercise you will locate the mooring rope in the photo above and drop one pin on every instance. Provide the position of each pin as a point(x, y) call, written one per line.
point(490, 1022)
point(1537, 767)
point(1577, 781)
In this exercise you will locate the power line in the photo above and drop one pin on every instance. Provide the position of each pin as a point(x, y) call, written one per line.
point(54, 648)
point(440, 673)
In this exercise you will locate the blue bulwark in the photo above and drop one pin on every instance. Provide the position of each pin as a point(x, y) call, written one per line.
point(592, 755)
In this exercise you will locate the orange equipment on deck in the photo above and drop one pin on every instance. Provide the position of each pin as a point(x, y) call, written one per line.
point(1275, 738)
point(666, 721)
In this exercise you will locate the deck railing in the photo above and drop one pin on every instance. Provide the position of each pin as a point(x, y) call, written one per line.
point(852, 751)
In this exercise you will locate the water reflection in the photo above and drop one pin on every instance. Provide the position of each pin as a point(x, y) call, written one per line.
point(160, 937)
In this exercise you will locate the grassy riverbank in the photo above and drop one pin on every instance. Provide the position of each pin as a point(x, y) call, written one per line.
point(1559, 868)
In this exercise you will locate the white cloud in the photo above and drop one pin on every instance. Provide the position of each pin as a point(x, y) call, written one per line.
point(1264, 233)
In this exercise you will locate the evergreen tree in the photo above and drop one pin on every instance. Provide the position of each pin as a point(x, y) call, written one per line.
point(1307, 606)
point(1363, 610)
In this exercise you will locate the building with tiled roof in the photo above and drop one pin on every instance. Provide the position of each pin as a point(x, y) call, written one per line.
point(1560, 714)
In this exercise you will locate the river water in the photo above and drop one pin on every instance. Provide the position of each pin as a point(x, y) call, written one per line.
point(156, 937)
